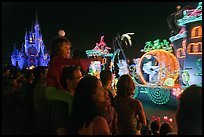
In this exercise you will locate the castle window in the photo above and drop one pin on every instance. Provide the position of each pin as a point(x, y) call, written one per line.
point(196, 32)
point(190, 48)
point(194, 48)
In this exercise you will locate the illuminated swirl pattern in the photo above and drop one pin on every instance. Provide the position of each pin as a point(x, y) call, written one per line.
point(159, 95)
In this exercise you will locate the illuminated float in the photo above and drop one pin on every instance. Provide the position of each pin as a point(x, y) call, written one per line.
point(187, 45)
point(167, 69)
point(99, 56)
point(159, 63)
point(156, 72)
point(119, 62)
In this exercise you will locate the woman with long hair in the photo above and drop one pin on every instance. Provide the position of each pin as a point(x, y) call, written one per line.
point(86, 119)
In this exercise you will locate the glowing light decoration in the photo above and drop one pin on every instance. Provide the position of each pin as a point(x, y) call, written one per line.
point(178, 36)
point(177, 92)
point(32, 67)
point(123, 67)
point(185, 77)
point(95, 68)
point(196, 32)
point(100, 49)
point(181, 52)
point(134, 68)
point(199, 67)
point(156, 118)
point(168, 66)
point(169, 82)
point(191, 49)
point(159, 95)
point(191, 15)
point(127, 35)
point(168, 120)
point(165, 117)
point(194, 48)
point(157, 45)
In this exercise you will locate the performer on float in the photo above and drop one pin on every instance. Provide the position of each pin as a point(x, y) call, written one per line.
point(151, 70)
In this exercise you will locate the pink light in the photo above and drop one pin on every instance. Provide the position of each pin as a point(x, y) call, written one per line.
point(158, 118)
point(153, 117)
point(165, 117)
point(170, 119)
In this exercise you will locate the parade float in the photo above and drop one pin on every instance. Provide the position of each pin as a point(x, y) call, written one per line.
point(187, 45)
point(99, 56)
point(156, 72)
point(166, 68)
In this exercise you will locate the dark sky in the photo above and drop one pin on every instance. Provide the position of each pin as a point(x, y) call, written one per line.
point(85, 22)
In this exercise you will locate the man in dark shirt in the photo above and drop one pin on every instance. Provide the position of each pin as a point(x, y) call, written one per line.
point(60, 108)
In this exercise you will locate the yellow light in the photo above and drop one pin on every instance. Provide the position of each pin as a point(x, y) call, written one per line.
point(196, 32)
point(194, 48)
point(167, 62)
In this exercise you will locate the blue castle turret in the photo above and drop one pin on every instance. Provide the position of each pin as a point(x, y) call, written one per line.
point(33, 51)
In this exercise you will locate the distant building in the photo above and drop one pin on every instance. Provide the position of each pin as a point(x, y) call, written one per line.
point(33, 52)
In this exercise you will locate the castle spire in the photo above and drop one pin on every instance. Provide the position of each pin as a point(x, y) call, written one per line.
point(26, 35)
point(15, 51)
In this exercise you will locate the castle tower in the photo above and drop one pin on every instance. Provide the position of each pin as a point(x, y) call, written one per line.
point(32, 51)
point(187, 45)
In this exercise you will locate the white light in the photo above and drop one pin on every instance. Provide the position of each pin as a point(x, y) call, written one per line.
point(61, 33)
point(130, 33)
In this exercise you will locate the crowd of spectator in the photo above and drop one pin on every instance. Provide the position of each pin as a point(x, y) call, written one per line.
point(63, 99)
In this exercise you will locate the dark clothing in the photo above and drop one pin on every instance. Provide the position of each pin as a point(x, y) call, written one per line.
point(41, 104)
point(59, 115)
point(127, 114)
point(111, 96)
point(111, 117)
point(29, 116)
point(9, 115)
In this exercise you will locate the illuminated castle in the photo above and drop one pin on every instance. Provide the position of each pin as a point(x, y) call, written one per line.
point(33, 52)
point(187, 45)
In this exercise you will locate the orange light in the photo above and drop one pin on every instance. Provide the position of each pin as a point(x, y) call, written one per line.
point(194, 48)
point(168, 64)
point(181, 52)
point(196, 32)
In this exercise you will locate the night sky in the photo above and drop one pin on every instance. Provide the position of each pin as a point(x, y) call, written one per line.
point(85, 22)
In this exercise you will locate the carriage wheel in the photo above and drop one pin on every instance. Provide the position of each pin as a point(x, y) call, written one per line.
point(159, 95)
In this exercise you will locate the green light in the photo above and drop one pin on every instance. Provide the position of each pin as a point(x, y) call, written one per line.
point(98, 53)
point(157, 44)
point(159, 95)
point(199, 66)
point(169, 82)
